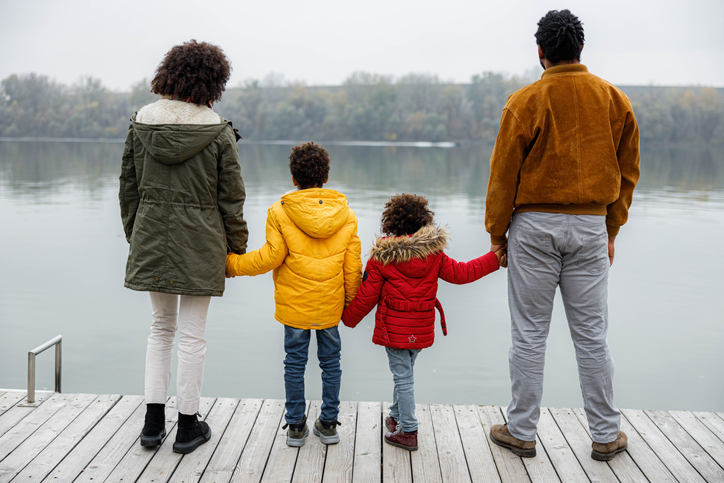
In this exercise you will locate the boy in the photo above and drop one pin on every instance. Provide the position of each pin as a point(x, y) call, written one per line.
point(313, 248)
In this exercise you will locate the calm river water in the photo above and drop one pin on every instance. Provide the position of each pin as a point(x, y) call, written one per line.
point(63, 254)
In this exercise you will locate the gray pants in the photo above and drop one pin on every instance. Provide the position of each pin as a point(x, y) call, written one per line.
point(549, 250)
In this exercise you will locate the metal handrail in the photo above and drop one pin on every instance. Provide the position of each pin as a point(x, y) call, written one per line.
point(56, 341)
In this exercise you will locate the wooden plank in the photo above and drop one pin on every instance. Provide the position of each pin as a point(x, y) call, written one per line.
point(687, 445)
point(282, 458)
point(192, 466)
point(396, 462)
point(539, 468)
point(580, 443)
point(713, 422)
point(701, 434)
point(561, 455)
point(229, 450)
point(253, 459)
point(475, 444)
point(666, 452)
point(52, 454)
point(425, 461)
point(135, 466)
point(44, 435)
point(10, 412)
point(9, 399)
point(340, 456)
point(74, 463)
point(623, 464)
point(368, 443)
point(453, 466)
point(511, 468)
point(310, 460)
point(123, 441)
point(26, 420)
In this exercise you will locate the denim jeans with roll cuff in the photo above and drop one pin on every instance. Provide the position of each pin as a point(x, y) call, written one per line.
point(402, 364)
point(329, 347)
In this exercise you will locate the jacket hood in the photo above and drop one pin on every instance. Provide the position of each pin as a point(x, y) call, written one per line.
point(175, 143)
point(426, 241)
point(318, 212)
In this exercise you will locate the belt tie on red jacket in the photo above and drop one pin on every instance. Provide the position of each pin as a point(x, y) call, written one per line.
point(407, 306)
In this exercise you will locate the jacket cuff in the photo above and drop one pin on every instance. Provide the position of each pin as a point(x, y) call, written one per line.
point(498, 240)
point(612, 230)
point(492, 261)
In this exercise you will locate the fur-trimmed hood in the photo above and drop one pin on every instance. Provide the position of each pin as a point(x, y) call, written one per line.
point(426, 241)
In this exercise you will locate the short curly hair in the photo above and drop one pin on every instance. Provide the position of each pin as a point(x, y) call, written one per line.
point(193, 71)
point(309, 164)
point(405, 214)
point(560, 36)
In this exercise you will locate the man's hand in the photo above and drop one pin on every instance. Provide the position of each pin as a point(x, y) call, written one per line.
point(610, 249)
point(501, 251)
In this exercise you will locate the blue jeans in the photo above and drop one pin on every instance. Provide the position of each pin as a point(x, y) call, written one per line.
point(329, 347)
point(402, 363)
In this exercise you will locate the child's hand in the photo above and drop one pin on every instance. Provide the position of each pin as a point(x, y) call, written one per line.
point(502, 254)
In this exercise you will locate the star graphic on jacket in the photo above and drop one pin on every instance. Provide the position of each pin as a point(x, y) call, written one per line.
point(412, 338)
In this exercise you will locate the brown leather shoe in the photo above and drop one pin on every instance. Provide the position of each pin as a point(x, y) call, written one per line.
point(606, 452)
point(402, 440)
point(501, 436)
point(391, 424)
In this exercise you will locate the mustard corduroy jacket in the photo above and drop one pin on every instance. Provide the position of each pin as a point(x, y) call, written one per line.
point(313, 248)
point(568, 143)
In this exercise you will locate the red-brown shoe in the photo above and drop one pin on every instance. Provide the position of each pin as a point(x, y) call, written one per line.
point(501, 436)
point(391, 424)
point(606, 452)
point(402, 440)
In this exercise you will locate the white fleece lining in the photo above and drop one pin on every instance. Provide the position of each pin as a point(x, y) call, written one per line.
point(167, 111)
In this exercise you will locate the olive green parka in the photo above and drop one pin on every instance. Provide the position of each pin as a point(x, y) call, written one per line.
point(182, 199)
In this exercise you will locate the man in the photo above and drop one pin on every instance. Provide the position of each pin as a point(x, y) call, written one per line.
point(562, 176)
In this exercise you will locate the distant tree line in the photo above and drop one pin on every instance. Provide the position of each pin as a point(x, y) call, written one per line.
point(366, 107)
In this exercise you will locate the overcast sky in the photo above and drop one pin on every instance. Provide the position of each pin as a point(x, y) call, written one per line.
point(321, 42)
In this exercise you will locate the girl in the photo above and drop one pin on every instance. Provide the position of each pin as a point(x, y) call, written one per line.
point(401, 279)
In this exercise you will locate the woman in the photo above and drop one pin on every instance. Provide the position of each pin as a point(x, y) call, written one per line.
point(182, 200)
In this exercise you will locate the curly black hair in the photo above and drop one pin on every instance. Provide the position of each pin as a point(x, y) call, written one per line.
point(309, 164)
point(193, 71)
point(560, 36)
point(405, 214)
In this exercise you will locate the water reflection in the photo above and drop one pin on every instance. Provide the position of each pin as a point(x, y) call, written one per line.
point(62, 254)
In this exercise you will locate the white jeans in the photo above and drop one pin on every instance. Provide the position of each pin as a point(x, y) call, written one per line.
point(190, 318)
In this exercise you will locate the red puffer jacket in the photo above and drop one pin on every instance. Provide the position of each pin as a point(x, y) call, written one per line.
point(401, 279)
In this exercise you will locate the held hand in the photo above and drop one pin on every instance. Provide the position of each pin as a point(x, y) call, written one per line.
point(610, 249)
point(501, 251)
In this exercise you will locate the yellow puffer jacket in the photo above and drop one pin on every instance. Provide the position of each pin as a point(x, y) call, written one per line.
point(313, 248)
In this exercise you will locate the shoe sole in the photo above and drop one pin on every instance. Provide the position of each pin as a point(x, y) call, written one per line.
point(408, 448)
point(524, 453)
point(334, 439)
point(150, 441)
point(186, 448)
point(297, 442)
point(607, 456)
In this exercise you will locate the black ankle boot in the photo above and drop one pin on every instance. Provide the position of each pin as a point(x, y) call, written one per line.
point(191, 433)
point(154, 428)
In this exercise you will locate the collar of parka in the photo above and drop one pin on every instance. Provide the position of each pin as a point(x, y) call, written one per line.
point(426, 241)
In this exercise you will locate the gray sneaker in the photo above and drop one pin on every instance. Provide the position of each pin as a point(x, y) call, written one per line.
point(327, 431)
point(297, 433)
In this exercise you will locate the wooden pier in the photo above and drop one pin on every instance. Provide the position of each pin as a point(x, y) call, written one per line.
point(95, 438)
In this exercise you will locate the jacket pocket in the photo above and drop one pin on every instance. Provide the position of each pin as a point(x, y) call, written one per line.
point(593, 255)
